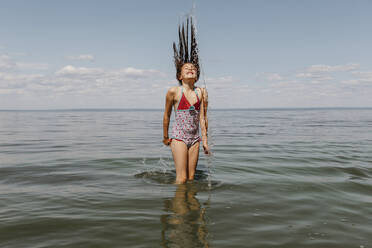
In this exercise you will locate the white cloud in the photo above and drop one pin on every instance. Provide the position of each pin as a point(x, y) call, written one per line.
point(272, 76)
point(330, 68)
point(350, 82)
point(6, 62)
point(304, 75)
point(218, 80)
point(269, 76)
point(317, 85)
point(73, 80)
point(70, 70)
point(364, 76)
point(81, 57)
point(32, 66)
point(316, 76)
point(318, 73)
point(75, 86)
point(139, 73)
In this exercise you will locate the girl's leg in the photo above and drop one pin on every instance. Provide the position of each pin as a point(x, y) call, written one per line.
point(179, 152)
point(193, 156)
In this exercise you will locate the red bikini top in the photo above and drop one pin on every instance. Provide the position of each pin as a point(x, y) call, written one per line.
point(185, 105)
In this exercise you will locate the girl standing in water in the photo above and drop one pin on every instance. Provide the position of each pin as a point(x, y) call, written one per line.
point(190, 106)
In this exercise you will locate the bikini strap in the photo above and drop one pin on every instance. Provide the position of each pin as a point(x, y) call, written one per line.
point(180, 98)
point(196, 92)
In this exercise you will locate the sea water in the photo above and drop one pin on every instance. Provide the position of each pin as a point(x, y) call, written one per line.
point(102, 178)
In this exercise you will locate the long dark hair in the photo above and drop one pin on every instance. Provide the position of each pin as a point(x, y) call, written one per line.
point(183, 54)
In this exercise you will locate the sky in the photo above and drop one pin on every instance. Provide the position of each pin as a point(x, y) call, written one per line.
point(118, 54)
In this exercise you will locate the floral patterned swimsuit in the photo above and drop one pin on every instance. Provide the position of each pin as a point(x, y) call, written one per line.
point(186, 126)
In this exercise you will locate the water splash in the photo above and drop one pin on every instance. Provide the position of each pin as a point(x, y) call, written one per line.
point(210, 123)
point(192, 14)
point(163, 163)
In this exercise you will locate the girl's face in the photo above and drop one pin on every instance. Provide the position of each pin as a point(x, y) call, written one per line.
point(188, 71)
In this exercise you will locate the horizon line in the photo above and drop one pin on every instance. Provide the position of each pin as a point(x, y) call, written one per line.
point(160, 109)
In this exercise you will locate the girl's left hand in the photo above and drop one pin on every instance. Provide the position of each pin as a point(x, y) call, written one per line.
point(206, 149)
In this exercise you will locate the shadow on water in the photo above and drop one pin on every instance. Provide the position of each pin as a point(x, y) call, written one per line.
point(184, 223)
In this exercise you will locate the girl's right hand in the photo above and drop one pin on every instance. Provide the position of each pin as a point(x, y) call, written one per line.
point(167, 141)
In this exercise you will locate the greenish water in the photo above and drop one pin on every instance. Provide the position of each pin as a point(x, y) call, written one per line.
point(279, 178)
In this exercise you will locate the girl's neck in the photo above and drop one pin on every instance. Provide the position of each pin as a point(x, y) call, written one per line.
point(188, 86)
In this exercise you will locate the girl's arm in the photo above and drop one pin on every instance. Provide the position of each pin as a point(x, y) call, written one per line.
point(205, 103)
point(204, 120)
point(167, 113)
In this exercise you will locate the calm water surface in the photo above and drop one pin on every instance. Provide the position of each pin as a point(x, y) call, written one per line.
point(279, 178)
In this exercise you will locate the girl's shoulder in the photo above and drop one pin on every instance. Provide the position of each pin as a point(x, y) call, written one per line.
point(202, 91)
point(173, 90)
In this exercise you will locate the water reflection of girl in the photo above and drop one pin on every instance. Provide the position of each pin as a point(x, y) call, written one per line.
point(184, 225)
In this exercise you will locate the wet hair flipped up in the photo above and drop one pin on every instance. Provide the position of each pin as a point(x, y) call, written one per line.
point(187, 52)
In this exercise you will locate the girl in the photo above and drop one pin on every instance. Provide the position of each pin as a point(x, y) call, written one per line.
point(190, 106)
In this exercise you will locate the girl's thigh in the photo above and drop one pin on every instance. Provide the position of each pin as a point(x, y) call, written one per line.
point(193, 157)
point(180, 153)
